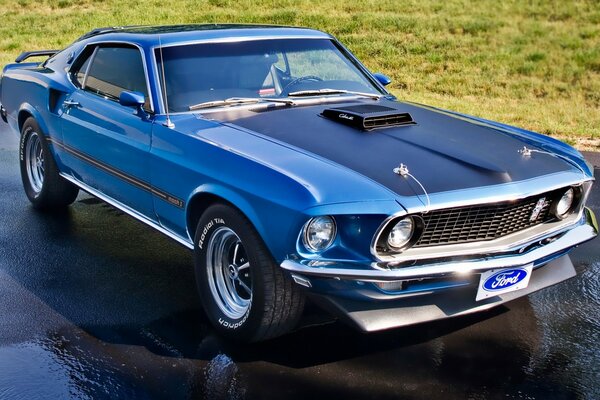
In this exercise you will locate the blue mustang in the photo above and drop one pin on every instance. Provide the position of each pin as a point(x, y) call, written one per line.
point(291, 172)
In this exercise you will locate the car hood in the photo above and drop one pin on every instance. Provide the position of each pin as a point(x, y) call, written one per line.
point(443, 152)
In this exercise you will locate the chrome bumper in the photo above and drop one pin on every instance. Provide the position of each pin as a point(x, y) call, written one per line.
point(586, 230)
point(376, 316)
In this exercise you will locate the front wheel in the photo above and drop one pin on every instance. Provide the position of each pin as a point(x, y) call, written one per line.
point(244, 292)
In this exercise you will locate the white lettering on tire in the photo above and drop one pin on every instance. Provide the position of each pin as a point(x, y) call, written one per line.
point(22, 145)
point(206, 228)
point(229, 325)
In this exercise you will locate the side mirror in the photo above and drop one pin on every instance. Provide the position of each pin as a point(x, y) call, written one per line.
point(383, 79)
point(132, 99)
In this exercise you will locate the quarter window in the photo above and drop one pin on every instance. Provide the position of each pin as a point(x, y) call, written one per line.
point(80, 67)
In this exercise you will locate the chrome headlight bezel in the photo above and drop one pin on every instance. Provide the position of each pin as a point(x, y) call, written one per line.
point(312, 223)
point(574, 196)
point(565, 203)
point(404, 229)
point(382, 241)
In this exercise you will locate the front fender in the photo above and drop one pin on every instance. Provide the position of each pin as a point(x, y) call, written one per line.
point(230, 196)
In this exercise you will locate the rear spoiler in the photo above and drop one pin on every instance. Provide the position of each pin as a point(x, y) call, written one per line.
point(26, 54)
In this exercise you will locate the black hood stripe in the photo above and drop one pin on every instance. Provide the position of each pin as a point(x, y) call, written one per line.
point(445, 152)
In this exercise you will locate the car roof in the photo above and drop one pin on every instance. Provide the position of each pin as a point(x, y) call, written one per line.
point(148, 35)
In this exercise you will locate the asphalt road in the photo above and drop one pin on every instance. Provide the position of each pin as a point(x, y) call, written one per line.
point(96, 305)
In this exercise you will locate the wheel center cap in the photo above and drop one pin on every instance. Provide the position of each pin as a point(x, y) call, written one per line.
point(232, 271)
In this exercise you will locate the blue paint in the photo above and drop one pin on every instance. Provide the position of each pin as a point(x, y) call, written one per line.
point(279, 167)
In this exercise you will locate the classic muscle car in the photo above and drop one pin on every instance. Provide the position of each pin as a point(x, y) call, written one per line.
point(291, 172)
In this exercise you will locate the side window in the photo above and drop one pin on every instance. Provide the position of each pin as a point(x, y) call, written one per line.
point(114, 69)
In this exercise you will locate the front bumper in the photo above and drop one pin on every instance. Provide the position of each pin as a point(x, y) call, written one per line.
point(537, 253)
point(375, 316)
point(436, 290)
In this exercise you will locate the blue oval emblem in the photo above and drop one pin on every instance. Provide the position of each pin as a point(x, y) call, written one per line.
point(504, 279)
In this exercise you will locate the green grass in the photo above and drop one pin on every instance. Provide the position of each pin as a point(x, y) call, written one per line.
point(534, 64)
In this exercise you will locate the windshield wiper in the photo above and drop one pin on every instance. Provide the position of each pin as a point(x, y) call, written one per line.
point(318, 92)
point(238, 100)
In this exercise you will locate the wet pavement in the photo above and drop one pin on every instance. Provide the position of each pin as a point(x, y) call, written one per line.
point(95, 305)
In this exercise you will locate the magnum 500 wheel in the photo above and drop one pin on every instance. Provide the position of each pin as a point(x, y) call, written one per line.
point(244, 292)
point(44, 187)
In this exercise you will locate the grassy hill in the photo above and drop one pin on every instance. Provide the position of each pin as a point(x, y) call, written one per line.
point(533, 64)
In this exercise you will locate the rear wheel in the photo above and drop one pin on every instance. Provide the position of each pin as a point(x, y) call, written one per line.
point(43, 185)
point(244, 292)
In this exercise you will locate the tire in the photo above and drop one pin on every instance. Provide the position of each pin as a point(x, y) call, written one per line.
point(43, 185)
point(244, 292)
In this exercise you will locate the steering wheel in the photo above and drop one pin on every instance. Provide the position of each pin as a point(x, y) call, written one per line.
point(284, 91)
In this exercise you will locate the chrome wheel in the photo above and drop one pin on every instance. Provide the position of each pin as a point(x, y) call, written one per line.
point(34, 160)
point(229, 273)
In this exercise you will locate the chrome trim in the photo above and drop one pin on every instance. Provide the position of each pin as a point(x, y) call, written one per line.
point(301, 281)
point(230, 293)
point(235, 39)
point(87, 69)
point(485, 195)
point(128, 210)
point(70, 103)
point(132, 180)
point(34, 162)
point(307, 246)
point(277, 101)
point(144, 63)
point(415, 234)
point(355, 62)
point(157, 80)
point(366, 272)
point(500, 245)
point(497, 193)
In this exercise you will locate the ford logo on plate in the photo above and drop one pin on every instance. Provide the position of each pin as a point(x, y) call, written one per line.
point(504, 279)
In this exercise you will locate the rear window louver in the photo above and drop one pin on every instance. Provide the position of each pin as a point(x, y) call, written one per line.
point(367, 117)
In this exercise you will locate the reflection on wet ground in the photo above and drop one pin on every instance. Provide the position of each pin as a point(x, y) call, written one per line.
point(95, 305)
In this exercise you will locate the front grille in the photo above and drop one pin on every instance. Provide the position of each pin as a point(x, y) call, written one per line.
point(482, 222)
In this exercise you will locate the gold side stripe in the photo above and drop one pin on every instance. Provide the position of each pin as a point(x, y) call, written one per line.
point(124, 176)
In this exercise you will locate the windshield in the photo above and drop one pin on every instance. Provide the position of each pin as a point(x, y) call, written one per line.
point(262, 69)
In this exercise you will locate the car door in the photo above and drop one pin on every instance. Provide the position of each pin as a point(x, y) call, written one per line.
point(107, 144)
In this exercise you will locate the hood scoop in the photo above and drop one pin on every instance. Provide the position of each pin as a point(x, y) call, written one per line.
point(368, 116)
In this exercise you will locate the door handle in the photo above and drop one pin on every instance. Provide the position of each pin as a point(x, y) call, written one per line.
point(71, 103)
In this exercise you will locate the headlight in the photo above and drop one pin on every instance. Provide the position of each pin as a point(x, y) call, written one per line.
point(401, 233)
point(319, 233)
point(565, 204)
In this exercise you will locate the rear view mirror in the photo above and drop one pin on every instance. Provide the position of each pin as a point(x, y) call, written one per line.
point(383, 79)
point(132, 99)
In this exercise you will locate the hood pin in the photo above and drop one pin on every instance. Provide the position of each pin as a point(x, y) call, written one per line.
point(525, 151)
point(402, 170)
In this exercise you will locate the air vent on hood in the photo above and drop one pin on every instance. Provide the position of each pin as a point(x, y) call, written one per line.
point(368, 116)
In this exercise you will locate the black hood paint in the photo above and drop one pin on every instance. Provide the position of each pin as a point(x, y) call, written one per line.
point(443, 152)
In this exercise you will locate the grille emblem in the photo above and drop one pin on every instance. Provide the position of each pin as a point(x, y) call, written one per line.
point(539, 206)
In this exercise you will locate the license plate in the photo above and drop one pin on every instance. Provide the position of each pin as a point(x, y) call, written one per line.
point(499, 281)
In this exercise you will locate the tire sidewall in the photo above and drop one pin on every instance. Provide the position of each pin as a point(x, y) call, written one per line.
point(222, 216)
